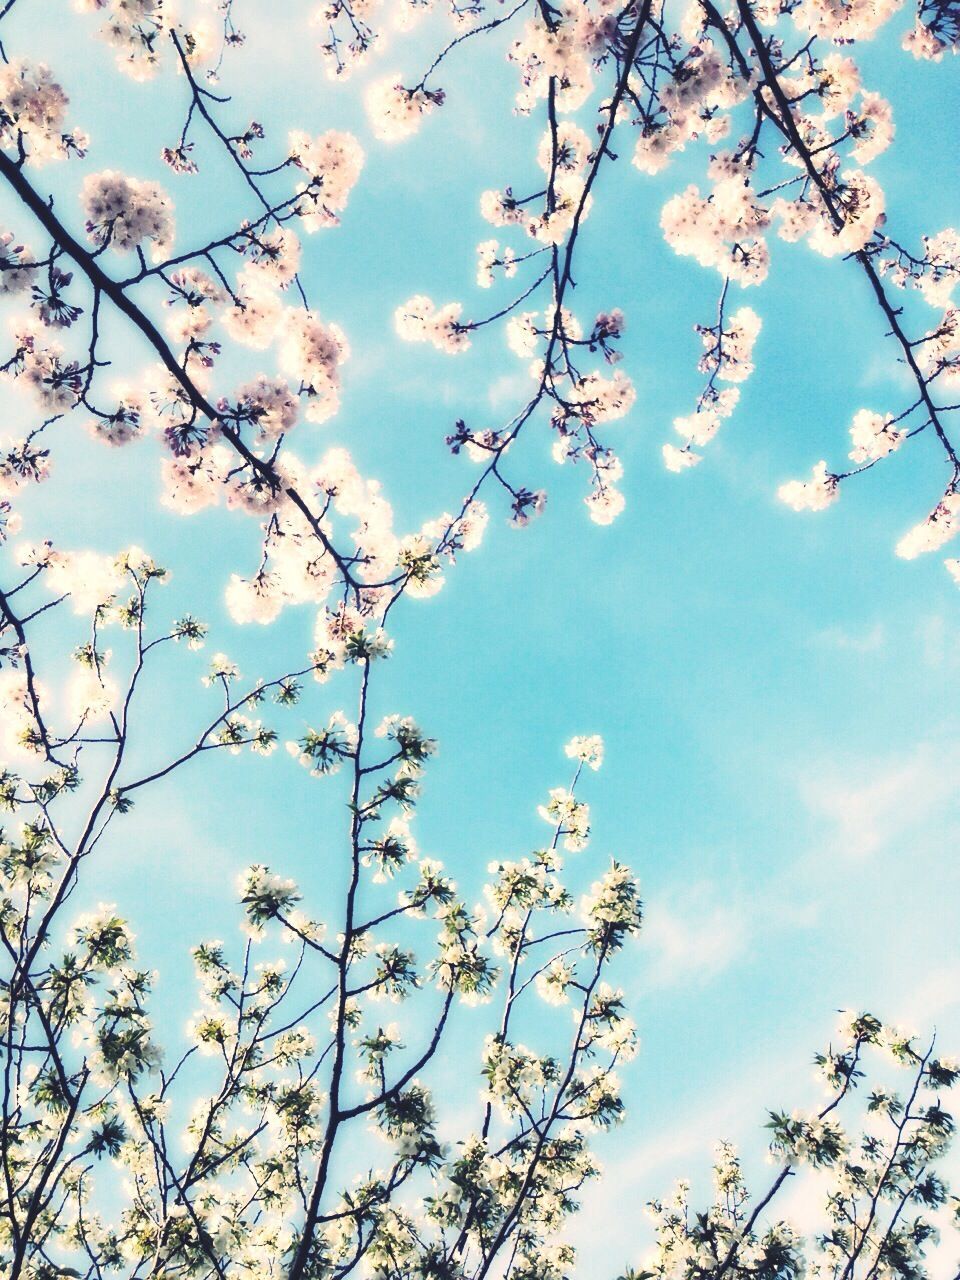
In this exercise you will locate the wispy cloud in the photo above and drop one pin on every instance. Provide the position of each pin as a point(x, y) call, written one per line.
point(693, 938)
point(871, 803)
point(862, 640)
point(936, 640)
point(883, 369)
point(509, 392)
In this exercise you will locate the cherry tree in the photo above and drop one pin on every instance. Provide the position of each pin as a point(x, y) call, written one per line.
point(248, 1153)
point(878, 1193)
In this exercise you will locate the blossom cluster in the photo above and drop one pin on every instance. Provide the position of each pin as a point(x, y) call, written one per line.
point(33, 109)
point(878, 1193)
point(229, 1193)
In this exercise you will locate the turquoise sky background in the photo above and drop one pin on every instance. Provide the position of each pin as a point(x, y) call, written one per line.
point(775, 690)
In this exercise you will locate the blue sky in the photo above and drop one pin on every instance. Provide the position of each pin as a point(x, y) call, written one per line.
point(773, 689)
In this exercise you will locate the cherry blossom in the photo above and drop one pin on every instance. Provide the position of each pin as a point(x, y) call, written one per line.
point(814, 494)
point(122, 212)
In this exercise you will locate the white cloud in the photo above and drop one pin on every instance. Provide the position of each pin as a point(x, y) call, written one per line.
point(937, 994)
point(870, 804)
point(867, 640)
point(937, 641)
point(510, 392)
point(695, 939)
point(880, 370)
